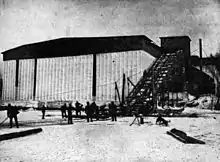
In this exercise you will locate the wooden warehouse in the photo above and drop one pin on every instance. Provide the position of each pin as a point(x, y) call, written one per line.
point(70, 69)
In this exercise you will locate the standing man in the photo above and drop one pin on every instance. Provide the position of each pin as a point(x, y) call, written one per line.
point(43, 111)
point(70, 118)
point(78, 108)
point(12, 112)
point(113, 111)
point(63, 111)
point(88, 111)
point(95, 110)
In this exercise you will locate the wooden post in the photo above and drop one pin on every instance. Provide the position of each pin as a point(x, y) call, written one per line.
point(94, 78)
point(16, 79)
point(123, 90)
point(35, 78)
point(117, 92)
point(200, 53)
point(128, 84)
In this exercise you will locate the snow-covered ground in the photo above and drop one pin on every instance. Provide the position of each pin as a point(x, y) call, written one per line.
point(111, 141)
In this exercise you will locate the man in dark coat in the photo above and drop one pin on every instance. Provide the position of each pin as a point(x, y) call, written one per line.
point(88, 111)
point(12, 112)
point(43, 111)
point(63, 111)
point(70, 118)
point(95, 110)
point(78, 108)
point(113, 111)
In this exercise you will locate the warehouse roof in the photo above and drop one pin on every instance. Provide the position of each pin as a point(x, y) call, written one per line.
point(173, 37)
point(82, 46)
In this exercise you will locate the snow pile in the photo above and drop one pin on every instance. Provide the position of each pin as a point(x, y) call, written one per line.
point(205, 101)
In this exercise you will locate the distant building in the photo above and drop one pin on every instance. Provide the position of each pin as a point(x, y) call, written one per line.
point(64, 69)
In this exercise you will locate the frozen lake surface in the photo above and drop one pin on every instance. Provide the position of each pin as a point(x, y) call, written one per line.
point(108, 141)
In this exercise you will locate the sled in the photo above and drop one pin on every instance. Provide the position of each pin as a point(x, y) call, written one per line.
point(182, 137)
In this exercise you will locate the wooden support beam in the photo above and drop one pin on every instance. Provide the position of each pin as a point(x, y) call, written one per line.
point(130, 82)
point(16, 79)
point(200, 53)
point(123, 90)
point(128, 86)
point(35, 78)
point(117, 92)
point(94, 78)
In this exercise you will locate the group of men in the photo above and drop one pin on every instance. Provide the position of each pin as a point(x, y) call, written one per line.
point(69, 109)
point(91, 110)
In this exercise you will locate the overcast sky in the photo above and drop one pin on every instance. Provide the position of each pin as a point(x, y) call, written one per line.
point(27, 21)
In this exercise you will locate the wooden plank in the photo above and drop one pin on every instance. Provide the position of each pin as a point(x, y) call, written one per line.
point(19, 134)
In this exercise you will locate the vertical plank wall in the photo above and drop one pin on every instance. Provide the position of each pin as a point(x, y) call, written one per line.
point(64, 79)
point(110, 69)
point(25, 79)
point(70, 78)
point(8, 91)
